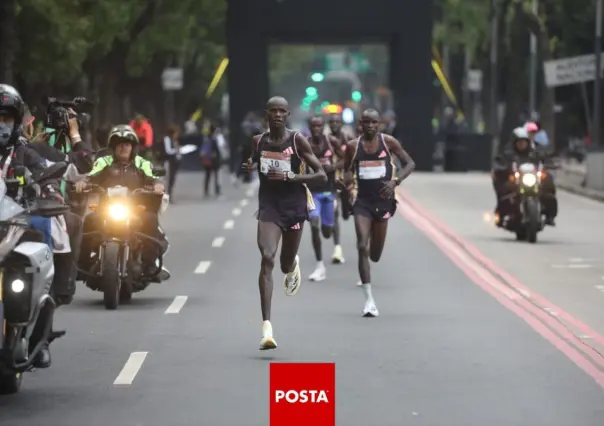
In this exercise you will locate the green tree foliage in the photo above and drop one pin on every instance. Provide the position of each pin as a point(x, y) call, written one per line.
point(113, 46)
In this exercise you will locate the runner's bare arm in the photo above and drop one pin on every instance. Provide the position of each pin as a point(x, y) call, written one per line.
point(249, 162)
point(351, 148)
point(337, 147)
point(395, 147)
point(305, 151)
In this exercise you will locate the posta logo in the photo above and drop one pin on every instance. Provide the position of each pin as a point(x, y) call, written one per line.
point(302, 394)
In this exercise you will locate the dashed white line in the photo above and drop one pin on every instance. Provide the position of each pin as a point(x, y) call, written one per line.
point(600, 288)
point(244, 203)
point(218, 242)
point(131, 369)
point(203, 267)
point(250, 192)
point(176, 305)
point(229, 224)
point(573, 266)
point(236, 212)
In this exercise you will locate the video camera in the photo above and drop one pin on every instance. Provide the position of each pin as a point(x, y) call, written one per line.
point(57, 114)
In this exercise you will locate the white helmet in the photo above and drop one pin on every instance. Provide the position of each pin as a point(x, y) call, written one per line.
point(520, 133)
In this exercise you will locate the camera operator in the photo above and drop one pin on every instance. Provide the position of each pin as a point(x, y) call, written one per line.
point(63, 142)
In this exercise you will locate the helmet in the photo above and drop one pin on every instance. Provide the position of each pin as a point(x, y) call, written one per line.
point(10, 103)
point(122, 133)
point(531, 127)
point(520, 133)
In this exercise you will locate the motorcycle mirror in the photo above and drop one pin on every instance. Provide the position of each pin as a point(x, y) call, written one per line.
point(159, 172)
point(55, 171)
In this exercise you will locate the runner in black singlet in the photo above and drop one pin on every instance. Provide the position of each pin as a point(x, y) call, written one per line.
point(322, 219)
point(369, 164)
point(283, 201)
point(343, 197)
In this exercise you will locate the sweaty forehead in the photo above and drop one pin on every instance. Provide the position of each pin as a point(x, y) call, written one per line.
point(370, 116)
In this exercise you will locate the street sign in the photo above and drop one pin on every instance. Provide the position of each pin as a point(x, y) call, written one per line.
point(172, 79)
point(358, 62)
point(335, 61)
point(342, 61)
point(565, 71)
point(474, 80)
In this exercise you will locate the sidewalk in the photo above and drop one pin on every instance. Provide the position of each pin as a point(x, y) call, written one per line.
point(571, 177)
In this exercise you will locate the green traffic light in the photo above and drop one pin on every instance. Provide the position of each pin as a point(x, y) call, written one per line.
point(324, 104)
point(311, 91)
point(317, 77)
point(356, 96)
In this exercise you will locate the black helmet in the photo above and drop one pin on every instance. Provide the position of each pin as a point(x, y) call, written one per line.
point(11, 104)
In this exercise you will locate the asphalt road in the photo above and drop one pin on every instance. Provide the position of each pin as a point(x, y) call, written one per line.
point(453, 345)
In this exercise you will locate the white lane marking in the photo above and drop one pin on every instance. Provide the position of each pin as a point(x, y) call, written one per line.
point(229, 224)
point(203, 267)
point(250, 192)
point(176, 305)
point(236, 212)
point(218, 242)
point(244, 203)
point(600, 288)
point(580, 259)
point(573, 266)
point(131, 369)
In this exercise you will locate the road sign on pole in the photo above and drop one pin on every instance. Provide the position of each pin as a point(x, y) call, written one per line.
point(172, 79)
point(474, 82)
point(573, 70)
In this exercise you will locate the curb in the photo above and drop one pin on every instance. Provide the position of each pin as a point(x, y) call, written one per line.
point(584, 192)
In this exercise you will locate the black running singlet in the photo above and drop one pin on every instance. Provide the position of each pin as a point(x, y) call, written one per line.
point(326, 156)
point(284, 203)
point(372, 170)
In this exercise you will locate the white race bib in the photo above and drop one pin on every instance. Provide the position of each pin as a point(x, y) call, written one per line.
point(274, 160)
point(372, 170)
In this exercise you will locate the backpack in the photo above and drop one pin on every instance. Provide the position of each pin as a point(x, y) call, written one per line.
point(207, 152)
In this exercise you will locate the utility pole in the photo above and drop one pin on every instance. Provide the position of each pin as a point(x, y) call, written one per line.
point(533, 71)
point(595, 136)
point(494, 56)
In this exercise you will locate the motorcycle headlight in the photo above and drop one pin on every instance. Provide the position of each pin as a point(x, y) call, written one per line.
point(17, 297)
point(529, 179)
point(17, 286)
point(118, 212)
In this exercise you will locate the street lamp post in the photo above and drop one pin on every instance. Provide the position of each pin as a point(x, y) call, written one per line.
point(533, 76)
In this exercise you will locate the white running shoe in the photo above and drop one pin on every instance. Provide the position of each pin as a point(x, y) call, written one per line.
point(320, 273)
point(338, 256)
point(370, 310)
point(359, 283)
point(292, 281)
point(268, 341)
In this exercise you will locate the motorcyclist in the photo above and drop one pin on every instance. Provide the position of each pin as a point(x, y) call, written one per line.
point(125, 168)
point(522, 150)
point(16, 155)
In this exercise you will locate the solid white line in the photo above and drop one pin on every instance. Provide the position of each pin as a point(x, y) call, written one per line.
point(131, 369)
point(203, 267)
point(218, 242)
point(244, 203)
point(229, 224)
point(236, 212)
point(177, 304)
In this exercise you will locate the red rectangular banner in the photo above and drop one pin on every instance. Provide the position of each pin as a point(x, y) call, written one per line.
point(302, 394)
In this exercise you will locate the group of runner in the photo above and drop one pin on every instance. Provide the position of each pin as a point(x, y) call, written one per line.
point(299, 181)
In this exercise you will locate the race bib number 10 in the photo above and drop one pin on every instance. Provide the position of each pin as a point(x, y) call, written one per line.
point(274, 160)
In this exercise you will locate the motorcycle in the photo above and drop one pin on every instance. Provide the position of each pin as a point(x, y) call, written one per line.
point(529, 220)
point(116, 265)
point(26, 275)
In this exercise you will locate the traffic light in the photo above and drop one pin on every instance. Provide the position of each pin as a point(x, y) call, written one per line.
point(311, 91)
point(317, 77)
point(356, 96)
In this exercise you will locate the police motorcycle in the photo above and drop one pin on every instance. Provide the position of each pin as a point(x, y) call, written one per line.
point(529, 220)
point(26, 275)
point(116, 264)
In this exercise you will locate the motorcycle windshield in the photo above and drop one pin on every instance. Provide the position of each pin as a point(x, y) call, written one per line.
point(527, 168)
point(8, 208)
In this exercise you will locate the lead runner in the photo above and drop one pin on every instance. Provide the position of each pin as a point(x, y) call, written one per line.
point(283, 204)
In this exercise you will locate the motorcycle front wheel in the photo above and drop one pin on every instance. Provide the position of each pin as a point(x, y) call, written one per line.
point(110, 276)
point(10, 383)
